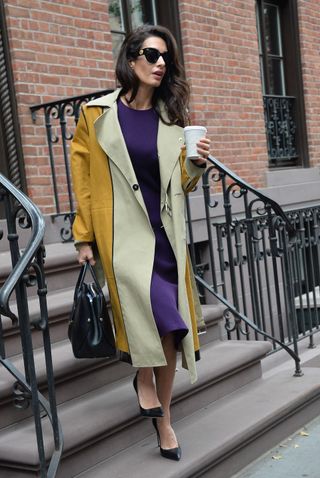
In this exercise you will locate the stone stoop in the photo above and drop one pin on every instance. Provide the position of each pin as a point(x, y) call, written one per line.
point(97, 404)
point(105, 421)
point(221, 438)
point(73, 377)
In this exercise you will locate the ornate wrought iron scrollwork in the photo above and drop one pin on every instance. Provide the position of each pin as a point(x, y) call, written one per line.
point(280, 127)
point(66, 232)
point(201, 269)
point(21, 396)
point(233, 323)
point(23, 218)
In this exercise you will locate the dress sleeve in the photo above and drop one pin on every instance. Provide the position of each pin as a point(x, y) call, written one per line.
point(80, 169)
point(190, 172)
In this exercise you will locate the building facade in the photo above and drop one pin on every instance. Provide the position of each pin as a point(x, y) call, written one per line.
point(253, 67)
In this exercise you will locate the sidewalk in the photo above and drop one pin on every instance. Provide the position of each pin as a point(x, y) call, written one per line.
point(299, 455)
point(296, 457)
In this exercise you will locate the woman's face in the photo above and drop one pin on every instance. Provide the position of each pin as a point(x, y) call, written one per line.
point(150, 74)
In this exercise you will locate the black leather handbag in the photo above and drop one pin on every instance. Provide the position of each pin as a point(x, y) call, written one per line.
point(90, 330)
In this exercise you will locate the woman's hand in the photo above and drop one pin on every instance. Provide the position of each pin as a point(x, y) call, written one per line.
point(203, 149)
point(85, 254)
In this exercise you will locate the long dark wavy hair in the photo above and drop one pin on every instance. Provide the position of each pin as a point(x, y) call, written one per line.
point(173, 90)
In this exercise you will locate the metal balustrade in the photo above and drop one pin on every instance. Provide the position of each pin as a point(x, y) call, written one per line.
point(28, 271)
point(261, 262)
point(60, 118)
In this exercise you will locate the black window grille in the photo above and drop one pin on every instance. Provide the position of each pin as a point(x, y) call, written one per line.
point(279, 52)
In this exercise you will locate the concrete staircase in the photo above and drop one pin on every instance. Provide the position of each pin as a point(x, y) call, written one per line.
point(231, 415)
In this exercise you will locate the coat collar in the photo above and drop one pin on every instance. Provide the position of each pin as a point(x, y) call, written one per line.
point(110, 138)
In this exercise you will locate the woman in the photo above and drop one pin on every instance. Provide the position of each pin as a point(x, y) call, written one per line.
point(130, 176)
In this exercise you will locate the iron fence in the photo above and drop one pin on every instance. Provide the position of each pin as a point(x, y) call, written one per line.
point(60, 119)
point(27, 271)
point(261, 262)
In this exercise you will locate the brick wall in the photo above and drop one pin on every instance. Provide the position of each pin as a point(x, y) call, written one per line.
point(309, 22)
point(63, 48)
point(58, 49)
point(221, 58)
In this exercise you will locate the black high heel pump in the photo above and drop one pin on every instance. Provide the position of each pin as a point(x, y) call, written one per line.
point(170, 453)
point(155, 412)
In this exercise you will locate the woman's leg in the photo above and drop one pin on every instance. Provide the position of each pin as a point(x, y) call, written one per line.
point(164, 379)
point(146, 388)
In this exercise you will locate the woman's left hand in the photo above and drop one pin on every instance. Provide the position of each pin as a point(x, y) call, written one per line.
point(203, 148)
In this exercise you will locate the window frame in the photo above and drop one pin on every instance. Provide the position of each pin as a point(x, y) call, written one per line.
point(289, 24)
point(166, 13)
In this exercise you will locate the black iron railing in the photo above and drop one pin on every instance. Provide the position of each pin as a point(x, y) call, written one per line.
point(281, 128)
point(262, 263)
point(27, 270)
point(60, 117)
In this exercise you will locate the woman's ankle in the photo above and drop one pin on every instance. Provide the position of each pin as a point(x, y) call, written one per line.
point(145, 374)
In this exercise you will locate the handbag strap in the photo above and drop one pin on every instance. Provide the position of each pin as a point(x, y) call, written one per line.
point(82, 274)
point(83, 271)
point(94, 277)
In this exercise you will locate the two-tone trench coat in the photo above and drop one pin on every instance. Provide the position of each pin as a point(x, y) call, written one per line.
point(112, 213)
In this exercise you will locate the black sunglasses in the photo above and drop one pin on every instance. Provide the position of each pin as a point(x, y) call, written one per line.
point(152, 55)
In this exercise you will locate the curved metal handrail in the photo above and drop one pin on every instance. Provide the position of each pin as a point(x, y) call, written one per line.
point(32, 256)
point(273, 204)
point(29, 252)
point(269, 205)
point(240, 317)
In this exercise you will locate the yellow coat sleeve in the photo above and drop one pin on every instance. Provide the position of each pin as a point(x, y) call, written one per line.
point(190, 173)
point(80, 169)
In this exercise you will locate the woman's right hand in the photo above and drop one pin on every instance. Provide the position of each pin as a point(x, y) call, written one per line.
point(85, 254)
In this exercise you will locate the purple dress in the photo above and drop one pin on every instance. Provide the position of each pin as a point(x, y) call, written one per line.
point(140, 131)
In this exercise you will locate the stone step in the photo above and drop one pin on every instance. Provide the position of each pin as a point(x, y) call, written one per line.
point(221, 438)
point(73, 377)
point(213, 317)
point(61, 267)
point(106, 420)
point(59, 307)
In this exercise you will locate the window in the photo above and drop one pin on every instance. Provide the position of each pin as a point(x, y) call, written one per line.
point(279, 52)
point(274, 81)
point(126, 15)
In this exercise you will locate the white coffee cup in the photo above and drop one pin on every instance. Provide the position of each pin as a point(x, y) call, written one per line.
point(192, 134)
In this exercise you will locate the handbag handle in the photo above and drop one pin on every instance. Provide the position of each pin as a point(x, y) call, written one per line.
point(84, 268)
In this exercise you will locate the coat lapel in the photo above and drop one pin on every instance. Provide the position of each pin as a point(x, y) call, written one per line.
point(111, 140)
point(170, 140)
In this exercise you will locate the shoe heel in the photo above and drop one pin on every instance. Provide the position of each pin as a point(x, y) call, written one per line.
point(146, 412)
point(154, 423)
point(171, 453)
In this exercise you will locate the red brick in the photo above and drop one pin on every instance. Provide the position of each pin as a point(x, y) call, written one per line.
point(63, 48)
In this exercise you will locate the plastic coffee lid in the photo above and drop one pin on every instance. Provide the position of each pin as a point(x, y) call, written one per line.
point(202, 128)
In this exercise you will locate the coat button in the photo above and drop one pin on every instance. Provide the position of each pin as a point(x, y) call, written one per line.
point(135, 187)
